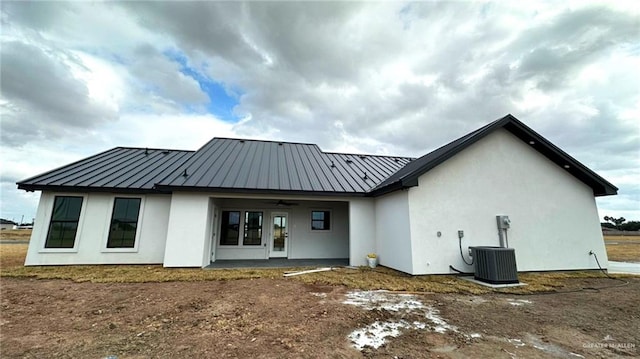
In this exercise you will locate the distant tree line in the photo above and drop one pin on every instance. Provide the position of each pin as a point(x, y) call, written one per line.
point(619, 224)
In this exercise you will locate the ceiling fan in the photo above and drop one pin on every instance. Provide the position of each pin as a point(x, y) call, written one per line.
point(281, 203)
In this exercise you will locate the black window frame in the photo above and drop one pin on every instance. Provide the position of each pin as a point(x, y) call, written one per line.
point(63, 222)
point(325, 221)
point(248, 228)
point(224, 228)
point(124, 243)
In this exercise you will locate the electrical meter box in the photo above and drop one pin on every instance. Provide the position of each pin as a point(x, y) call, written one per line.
point(503, 222)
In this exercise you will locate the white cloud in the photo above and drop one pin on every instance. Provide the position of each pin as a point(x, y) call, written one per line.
point(104, 81)
point(167, 131)
point(157, 74)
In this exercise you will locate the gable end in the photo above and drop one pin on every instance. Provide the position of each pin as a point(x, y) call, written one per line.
point(408, 176)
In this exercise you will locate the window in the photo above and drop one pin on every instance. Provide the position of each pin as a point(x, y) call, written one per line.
point(320, 220)
point(252, 229)
point(124, 223)
point(234, 226)
point(64, 222)
point(230, 228)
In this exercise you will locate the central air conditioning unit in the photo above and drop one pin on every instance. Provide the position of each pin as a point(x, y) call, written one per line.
point(495, 265)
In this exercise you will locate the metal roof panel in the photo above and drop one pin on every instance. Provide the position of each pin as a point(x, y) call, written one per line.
point(116, 169)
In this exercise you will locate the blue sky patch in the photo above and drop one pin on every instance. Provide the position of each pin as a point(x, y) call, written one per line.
point(221, 100)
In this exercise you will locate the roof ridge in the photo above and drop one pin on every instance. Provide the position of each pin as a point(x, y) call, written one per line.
point(309, 144)
point(366, 154)
point(268, 141)
point(152, 149)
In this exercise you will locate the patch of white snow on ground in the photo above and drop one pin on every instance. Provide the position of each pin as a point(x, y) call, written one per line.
point(381, 299)
point(441, 325)
point(576, 355)
point(321, 295)
point(419, 325)
point(374, 334)
point(516, 342)
point(519, 302)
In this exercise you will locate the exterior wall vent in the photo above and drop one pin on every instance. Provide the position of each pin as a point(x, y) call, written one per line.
point(495, 265)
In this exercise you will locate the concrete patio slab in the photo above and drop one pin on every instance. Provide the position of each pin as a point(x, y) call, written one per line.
point(278, 263)
point(624, 267)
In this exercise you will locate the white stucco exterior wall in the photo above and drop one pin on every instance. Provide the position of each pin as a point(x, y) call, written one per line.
point(393, 237)
point(554, 217)
point(362, 230)
point(93, 230)
point(307, 243)
point(189, 231)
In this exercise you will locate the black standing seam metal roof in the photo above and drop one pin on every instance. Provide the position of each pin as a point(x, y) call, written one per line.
point(408, 175)
point(121, 169)
point(236, 165)
point(252, 166)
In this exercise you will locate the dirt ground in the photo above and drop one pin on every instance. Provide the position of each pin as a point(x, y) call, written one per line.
point(278, 318)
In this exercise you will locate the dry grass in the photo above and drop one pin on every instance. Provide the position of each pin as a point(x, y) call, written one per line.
point(16, 234)
point(12, 255)
point(12, 259)
point(385, 278)
point(389, 279)
point(625, 249)
point(624, 252)
point(621, 238)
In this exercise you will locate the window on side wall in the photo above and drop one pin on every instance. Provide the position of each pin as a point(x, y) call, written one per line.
point(252, 229)
point(64, 222)
point(320, 220)
point(230, 230)
point(124, 223)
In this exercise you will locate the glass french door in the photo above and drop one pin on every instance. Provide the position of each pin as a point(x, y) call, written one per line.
point(279, 235)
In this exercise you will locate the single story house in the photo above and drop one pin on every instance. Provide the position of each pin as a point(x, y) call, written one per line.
point(7, 224)
point(249, 199)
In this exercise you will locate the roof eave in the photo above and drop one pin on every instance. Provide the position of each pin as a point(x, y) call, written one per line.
point(257, 191)
point(392, 187)
point(84, 189)
point(600, 186)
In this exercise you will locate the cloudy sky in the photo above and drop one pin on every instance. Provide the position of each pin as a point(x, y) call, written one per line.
point(384, 78)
